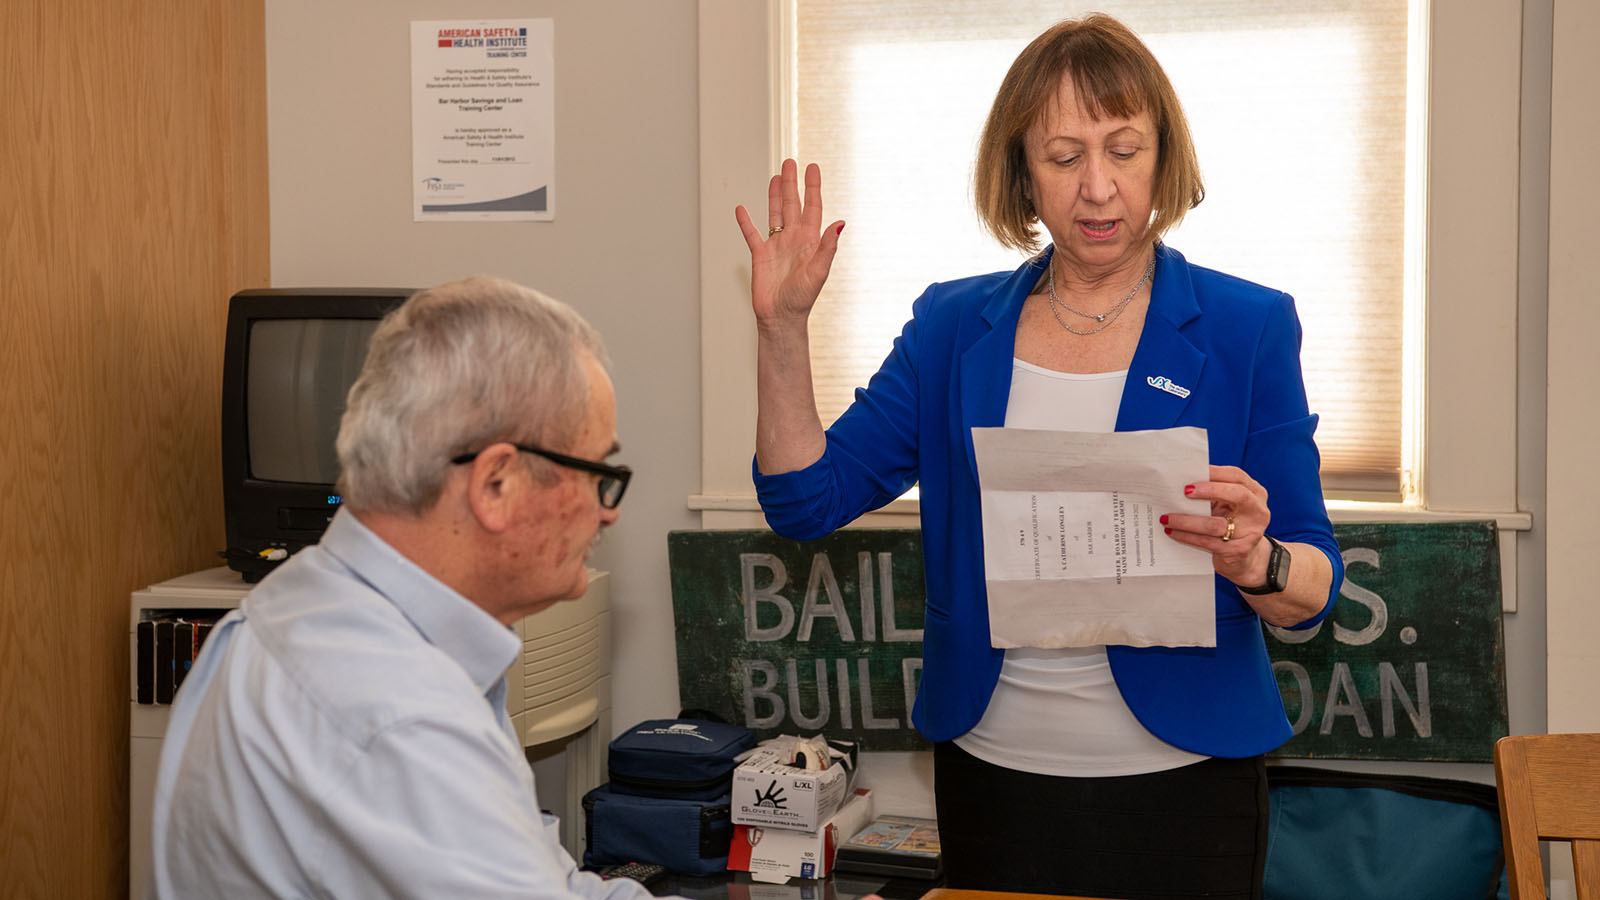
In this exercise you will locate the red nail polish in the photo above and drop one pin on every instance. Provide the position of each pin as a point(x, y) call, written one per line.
point(1163, 520)
point(1188, 490)
point(839, 230)
point(1167, 530)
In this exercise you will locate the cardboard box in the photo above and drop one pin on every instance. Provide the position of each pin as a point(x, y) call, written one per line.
point(778, 854)
point(769, 793)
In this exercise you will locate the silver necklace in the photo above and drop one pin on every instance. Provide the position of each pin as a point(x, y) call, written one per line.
point(1106, 318)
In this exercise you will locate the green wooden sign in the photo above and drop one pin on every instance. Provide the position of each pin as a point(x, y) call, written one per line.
point(1411, 663)
point(826, 636)
point(800, 637)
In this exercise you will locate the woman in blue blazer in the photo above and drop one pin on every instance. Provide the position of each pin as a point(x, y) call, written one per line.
point(1111, 770)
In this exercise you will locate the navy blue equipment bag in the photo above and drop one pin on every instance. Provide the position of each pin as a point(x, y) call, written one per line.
point(690, 837)
point(682, 759)
point(669, 798)
point(1362, 836)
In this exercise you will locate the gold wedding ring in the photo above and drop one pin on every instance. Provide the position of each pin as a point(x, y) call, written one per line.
point(1228, 536)
point(774, 230)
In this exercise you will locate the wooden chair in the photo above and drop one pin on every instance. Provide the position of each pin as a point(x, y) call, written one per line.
point(1549, 790)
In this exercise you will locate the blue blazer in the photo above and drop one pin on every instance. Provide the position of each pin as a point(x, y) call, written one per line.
point(1234, 345)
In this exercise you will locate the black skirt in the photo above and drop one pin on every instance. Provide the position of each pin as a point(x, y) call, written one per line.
point(1195, 831)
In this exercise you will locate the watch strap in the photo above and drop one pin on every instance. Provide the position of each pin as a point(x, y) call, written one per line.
point(1277, 571)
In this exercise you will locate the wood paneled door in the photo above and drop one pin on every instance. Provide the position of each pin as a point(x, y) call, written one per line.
point(133, 202)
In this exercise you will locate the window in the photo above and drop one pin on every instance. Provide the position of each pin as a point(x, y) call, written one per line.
point(1464, 419)
point(1299, 113)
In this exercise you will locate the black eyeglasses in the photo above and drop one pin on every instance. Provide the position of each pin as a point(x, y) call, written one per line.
point(613, 479)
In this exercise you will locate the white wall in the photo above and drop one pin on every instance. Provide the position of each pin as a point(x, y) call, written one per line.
point(1573, 431)
point(623, 249)
point(1572, 425)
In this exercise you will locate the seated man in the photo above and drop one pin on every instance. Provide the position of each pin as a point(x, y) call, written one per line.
point(344, 732)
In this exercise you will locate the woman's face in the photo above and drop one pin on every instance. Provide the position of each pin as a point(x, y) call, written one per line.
point(1092, 182)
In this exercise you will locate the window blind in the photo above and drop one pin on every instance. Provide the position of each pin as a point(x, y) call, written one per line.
point(1298, 111)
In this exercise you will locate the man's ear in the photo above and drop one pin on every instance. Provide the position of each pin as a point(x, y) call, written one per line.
point(493, 486)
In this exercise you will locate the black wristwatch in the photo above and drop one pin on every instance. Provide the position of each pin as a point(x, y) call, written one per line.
point(1277, 571)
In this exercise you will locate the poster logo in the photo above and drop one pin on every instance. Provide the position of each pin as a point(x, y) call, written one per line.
point(502, 38)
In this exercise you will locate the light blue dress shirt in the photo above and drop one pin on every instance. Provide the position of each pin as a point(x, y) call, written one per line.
point(343, 734)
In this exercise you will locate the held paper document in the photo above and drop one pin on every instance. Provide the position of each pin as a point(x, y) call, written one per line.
point(1073, 546)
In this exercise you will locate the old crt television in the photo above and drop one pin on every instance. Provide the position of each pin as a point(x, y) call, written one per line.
point(288, 363)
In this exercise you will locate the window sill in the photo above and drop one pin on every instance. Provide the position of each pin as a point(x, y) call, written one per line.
point(1338, 511)
point(905, 506)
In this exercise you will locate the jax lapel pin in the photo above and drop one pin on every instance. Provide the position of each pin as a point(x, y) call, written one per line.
point(1162, 382)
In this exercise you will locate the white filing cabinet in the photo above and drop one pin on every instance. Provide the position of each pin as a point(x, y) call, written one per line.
point(218, 589)
point(558, 696)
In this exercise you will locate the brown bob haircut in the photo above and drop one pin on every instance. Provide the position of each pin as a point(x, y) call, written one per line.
point(1114, 74)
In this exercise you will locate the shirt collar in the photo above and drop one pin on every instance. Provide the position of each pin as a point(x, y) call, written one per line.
point(480, 644)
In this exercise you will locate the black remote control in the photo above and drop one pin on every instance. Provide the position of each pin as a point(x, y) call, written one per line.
point(644, 873)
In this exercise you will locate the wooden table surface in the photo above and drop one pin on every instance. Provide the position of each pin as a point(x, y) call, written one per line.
point(957, 894)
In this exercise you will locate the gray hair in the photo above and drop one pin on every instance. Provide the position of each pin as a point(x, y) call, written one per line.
point(456, 368)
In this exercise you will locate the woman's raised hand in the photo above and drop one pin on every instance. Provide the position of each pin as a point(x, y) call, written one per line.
point(790, 263)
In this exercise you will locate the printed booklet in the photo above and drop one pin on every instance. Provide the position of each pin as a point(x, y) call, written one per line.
point(906, 846)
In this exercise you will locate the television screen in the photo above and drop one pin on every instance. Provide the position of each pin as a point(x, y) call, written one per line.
point(298, 375)
point(289, 359)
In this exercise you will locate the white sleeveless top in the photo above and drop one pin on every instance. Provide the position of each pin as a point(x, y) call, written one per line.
point(1058, 712)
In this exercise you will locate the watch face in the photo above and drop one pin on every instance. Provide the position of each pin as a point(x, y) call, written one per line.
point(1278, 568)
